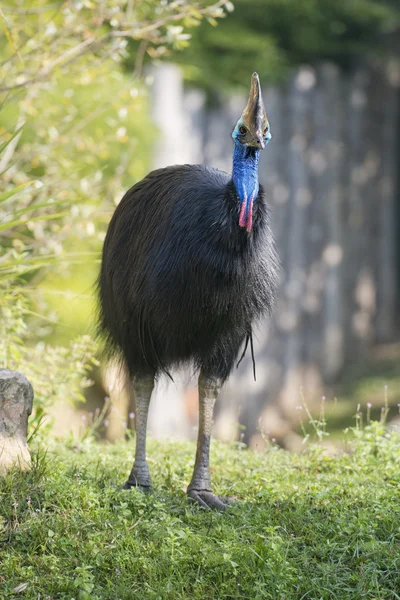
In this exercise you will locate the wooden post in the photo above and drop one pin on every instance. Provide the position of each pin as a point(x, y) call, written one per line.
point(300, 99)
point(359, 290)
point(329, 196)
point(386, 211)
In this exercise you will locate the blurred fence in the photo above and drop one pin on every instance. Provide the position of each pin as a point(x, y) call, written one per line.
point(330, 178)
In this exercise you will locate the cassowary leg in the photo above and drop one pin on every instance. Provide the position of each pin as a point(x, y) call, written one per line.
point(140, 475)
point(199, 488)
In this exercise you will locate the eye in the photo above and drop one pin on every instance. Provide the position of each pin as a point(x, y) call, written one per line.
point(266, 129)
point(242, 130)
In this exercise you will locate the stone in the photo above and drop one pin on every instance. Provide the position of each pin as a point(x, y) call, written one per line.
point(16, 398)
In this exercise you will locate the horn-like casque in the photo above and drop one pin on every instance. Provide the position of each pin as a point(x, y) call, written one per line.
point(254, 117)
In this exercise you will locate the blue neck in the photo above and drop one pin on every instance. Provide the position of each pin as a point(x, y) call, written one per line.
point(245, 171)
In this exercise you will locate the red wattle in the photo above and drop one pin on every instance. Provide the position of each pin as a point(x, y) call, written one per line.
point(250, 217)
point(242, 217)
point(246, 214)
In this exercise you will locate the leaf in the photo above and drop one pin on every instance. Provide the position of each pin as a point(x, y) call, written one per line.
point(20, 588)
point(191, 22)
point(212, 21)
point(33, 207)
point(19, 222)
point(10, 193)
point(5, 144)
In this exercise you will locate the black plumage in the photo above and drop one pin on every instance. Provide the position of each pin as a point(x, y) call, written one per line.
point(180, 280)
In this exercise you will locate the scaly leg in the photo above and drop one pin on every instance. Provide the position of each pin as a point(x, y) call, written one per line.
point(200, 486)
point(140, 476)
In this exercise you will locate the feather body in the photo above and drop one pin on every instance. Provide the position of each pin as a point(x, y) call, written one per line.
point(180, 279)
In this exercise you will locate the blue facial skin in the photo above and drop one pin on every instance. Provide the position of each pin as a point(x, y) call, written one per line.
point(245, 166)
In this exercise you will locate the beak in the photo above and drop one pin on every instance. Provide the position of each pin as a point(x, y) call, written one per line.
point(254, 116)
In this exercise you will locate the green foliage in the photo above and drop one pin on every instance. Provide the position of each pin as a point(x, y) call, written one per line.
point(314, 525)
point(78, 145)
point(47, 39)
point(270, 36)
point(54, 372)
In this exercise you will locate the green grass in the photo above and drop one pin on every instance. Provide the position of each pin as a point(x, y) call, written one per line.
point(309, 526)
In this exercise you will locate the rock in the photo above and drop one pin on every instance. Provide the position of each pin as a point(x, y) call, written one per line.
point(16, 397)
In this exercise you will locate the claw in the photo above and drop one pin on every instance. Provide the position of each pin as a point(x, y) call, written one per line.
point(208, 500)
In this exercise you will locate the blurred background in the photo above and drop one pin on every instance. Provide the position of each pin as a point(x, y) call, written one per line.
point(93, 95)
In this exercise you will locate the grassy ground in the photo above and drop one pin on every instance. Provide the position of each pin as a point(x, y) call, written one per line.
point(309, 526)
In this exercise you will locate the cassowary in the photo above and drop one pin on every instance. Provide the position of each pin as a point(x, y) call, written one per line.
point(188, 267)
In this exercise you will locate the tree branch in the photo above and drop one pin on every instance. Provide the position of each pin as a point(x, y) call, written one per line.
point(73, 53)
point(145, 27)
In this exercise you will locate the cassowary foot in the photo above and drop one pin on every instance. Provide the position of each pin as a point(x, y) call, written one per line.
point(139, 478)
point(207, 499)
point(134, 484)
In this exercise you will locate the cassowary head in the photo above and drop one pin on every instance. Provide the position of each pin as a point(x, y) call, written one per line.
point(252, 129)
